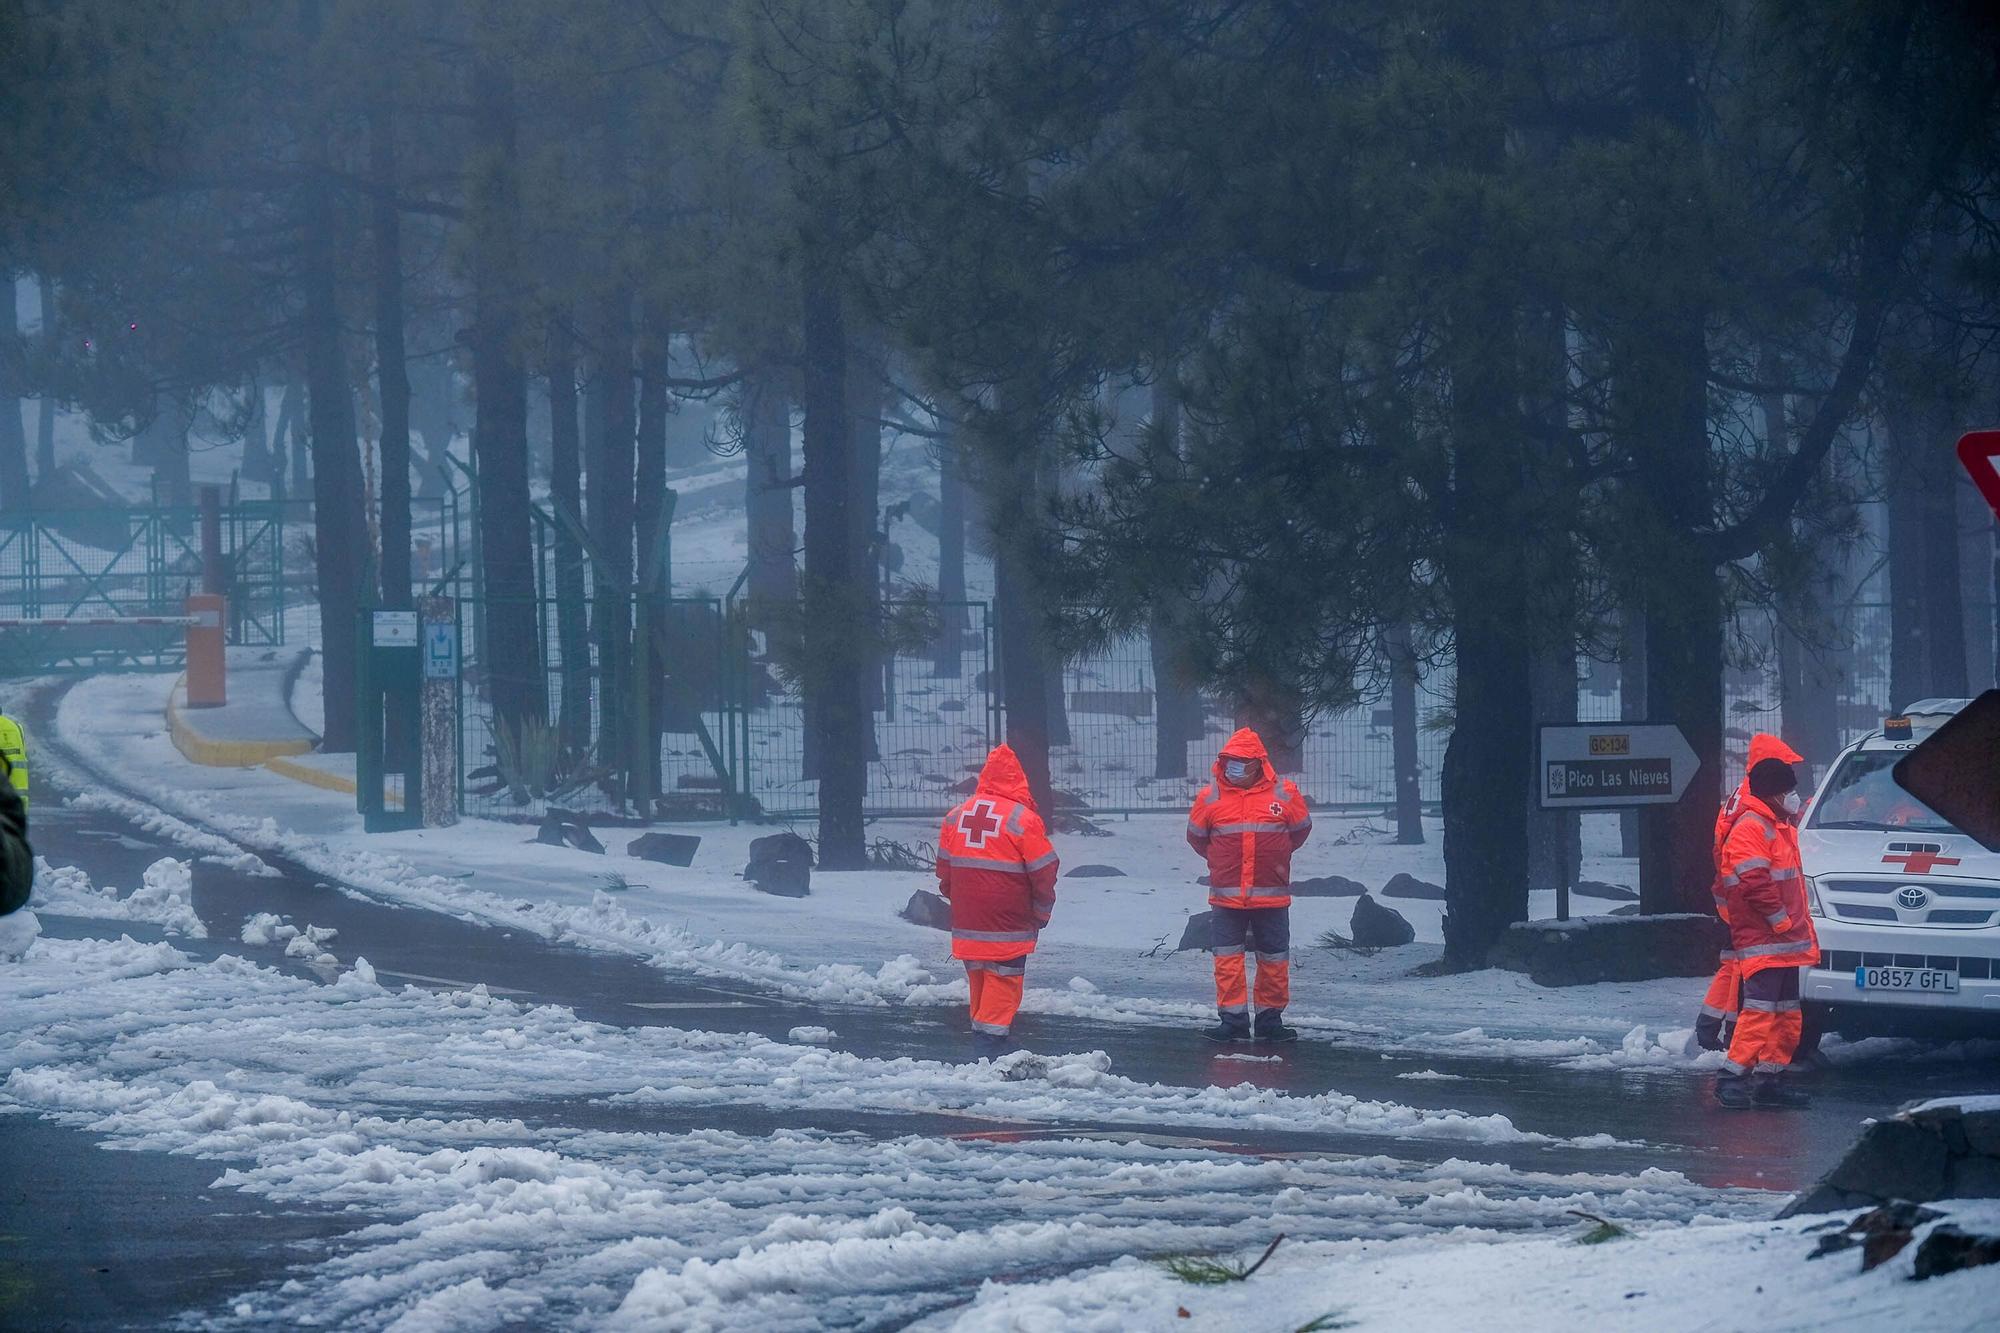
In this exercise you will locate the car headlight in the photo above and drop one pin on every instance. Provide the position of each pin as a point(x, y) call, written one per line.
point(1813, 905)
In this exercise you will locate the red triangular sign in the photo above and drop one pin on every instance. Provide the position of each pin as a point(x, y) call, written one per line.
point(1979, 453)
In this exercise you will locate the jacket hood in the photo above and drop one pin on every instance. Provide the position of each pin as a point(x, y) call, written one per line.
point(1245, 744)
point(1003, 776)
point(1764, 746)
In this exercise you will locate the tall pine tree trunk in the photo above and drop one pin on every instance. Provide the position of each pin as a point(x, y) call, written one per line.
point(1008, 469)
point(1485, 823)
point(1927, 647)
point(391, 361)
point(610, 492)
point(299, 450)
point(650, 528)
point(1909, 674)
point(1808, 706)
point(1665, 387)
point(566, 489)
point(45, 426)
point(865, 396)
point(1554, 841)
point(13, 438)
point(500, 424)
point(257, 436)
point(772, 539)
point(837, 586)
point(1403, 724)
point(1631, 702)
point(948, 661)
point(340, 528)
point(1662, 381)
point(1975, 568)
point(1047, 476)
point(1177, 712)
point(432, 391)
point(1555, 848)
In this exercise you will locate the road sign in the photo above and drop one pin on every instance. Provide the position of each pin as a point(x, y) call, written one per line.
point(440, 651)
point(1979, 454)
point(1613, 765)
point(1952, 771)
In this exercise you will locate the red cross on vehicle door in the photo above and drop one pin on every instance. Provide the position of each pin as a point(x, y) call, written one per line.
point(1917, 858)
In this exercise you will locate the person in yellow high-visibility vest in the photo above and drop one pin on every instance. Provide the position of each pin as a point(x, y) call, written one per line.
point(14, 756)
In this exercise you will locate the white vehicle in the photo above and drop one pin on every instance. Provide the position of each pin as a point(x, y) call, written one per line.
point(1907, 907)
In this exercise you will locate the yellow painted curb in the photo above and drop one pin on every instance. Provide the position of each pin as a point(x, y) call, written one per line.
point(312, 777)
point(213, 753)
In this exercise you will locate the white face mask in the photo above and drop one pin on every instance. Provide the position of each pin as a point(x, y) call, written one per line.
point(1792, 803)
point(1239, 770)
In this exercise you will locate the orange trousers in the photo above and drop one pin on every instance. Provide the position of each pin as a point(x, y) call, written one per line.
point(1767, 1031)
point(1720, 1005)
point(996, 988)
point(1720, 1001)
point(1265, 931)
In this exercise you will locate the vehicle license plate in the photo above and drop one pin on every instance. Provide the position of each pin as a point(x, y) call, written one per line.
point(1929, 979)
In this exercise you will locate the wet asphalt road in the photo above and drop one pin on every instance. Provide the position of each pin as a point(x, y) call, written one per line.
point(91, 1238)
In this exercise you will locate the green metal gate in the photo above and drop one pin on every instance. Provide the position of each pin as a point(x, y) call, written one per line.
point(126, 565)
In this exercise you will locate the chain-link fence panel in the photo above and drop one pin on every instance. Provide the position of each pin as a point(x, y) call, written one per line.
point(628, 712)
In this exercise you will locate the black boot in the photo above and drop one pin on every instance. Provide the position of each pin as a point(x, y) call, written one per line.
point(986, 1045)
point(1778, 1090)
point(1734, 1091)
point(1233, 1027)
point(1708, 1033)
point(1271, 1027)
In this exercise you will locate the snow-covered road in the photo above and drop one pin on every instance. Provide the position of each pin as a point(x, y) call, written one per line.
point(403, 1105)
point(488, 1127)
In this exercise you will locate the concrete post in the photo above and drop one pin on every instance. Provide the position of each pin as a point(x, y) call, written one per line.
point(438, 706)
point(206, 686)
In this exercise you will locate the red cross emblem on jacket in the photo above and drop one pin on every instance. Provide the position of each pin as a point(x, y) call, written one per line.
point(996, 866)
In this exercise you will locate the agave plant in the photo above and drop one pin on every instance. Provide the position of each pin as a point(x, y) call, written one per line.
point(529, 753)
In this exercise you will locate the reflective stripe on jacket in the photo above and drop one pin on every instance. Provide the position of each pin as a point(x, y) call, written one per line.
point(996, 866)
point(1248, 834)
point(1765, 886)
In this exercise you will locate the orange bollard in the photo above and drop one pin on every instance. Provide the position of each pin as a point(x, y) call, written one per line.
point(206, 686)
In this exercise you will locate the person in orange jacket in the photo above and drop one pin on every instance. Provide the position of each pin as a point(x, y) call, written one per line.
point(1719, 1007)
point(1771, 931)
point(1247, 823)
point(996, 868)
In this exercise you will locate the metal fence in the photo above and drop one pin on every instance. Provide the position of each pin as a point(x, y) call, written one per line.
point(578, 758)
point(935, 710)
point(130, 564)
point(733, 736)
point(1111, 759)
point(739, 739)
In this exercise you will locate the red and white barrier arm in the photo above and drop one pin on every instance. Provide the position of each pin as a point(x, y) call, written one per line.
point(73, 622)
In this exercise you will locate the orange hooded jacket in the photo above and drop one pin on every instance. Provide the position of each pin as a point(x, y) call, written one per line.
point(996, 867)
point(1249, 833)
point(1765, 887)
point(1763, 746)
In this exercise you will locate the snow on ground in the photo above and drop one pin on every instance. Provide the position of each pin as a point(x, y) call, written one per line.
point(165, 898)
point(1741, 1275)
point(514, 1164)
point(460, 1046)
point(1109, 954)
